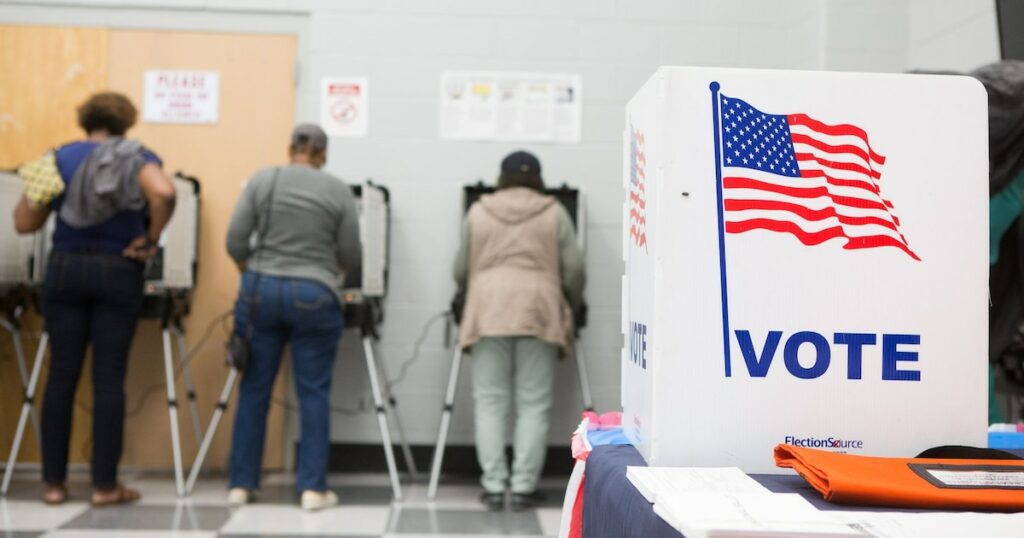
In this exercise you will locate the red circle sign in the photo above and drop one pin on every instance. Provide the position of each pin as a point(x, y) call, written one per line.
point(344, 111)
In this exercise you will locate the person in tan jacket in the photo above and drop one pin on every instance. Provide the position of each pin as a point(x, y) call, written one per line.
point(522, 271)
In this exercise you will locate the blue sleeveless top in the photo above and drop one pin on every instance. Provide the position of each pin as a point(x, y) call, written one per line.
point(111, 235)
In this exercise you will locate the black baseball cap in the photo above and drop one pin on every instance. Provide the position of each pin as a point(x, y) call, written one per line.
point(522, 162)
point(311, 134)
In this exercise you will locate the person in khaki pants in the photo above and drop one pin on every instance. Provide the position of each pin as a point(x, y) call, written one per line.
point(522, 270)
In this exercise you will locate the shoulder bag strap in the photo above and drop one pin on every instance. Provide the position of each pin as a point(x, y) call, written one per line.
point(268, 209)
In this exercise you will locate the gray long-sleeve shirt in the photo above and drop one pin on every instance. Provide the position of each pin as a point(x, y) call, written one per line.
point(313, 230)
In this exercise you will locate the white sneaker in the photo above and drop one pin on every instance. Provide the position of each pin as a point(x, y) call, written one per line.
point(239, 496)
point(317, 500)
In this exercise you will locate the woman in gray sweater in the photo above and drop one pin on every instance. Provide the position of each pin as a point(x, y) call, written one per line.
point(294, 235)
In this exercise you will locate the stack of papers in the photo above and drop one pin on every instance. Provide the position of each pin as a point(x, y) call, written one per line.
point(776, 515)
point(652, 481)
point(725, 502)
point(935, 524)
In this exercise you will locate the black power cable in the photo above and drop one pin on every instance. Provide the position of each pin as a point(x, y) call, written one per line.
point(403, 371)
point(407, 363)
point(140, 403)
point(223, 320)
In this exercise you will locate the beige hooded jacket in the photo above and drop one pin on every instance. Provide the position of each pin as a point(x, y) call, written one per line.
point(523, 268)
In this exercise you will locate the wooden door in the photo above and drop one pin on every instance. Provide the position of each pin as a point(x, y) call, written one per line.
point(256, 114)
point(45, 72)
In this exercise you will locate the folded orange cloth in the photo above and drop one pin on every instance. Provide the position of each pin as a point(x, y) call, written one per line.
point(949, 484)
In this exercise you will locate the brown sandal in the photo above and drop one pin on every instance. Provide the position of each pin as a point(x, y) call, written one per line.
point(112, 497)
point(55, 494)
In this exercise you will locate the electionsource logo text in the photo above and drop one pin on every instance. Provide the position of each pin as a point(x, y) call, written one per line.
point(830, 443)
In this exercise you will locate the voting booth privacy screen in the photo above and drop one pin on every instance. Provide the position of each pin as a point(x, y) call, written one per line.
point(569, 197)
point(17, 250)
point(373, 202)
point(174, 266)
point(22, 257)
point(806, 263)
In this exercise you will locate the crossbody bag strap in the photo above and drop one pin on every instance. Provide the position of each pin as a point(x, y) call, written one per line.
point(268, 210)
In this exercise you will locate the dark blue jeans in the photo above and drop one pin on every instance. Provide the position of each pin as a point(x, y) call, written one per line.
point(88, 297)
point(308, 315)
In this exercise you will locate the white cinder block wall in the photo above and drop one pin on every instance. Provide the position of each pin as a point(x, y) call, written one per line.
point(614, 46)
point(952, 34)
point(865, 35)
point(403, 45)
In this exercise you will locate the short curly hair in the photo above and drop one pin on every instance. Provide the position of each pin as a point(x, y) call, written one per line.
point(107, 111)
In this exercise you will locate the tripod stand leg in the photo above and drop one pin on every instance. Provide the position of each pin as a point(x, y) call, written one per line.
point(222, 405)
point(26, 410)
point(446, 417)
point(382, 419)
point(19, 355)
point(393, 408)
point(581, 367)
point(190, 388)
point(172, 411)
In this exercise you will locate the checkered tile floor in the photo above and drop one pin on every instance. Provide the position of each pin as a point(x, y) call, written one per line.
point(365, 511)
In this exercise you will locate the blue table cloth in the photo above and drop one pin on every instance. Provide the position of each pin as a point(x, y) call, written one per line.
point(612, 507)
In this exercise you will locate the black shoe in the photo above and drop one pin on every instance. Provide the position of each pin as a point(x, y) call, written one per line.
point(526, 501)
point(493, 501)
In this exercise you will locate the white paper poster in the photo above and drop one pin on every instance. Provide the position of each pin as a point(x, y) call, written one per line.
point(181, 96)
point(510, 106)
point(343, 106)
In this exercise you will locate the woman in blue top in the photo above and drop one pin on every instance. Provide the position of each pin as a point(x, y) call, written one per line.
point(93, 289)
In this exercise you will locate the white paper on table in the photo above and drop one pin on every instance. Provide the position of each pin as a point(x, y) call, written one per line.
point(699, 515)
point(651, 482)
point(934, 524)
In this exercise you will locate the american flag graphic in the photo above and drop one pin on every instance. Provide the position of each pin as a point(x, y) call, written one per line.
point(637, 196)
point(794, 174)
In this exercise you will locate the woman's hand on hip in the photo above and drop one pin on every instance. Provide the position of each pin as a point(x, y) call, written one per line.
point(141, 249)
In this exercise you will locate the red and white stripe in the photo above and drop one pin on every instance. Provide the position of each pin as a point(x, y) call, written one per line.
point(638, 196)
point(637, 220)
point(837, 196)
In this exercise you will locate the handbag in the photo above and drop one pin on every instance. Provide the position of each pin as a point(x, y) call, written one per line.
point(238, 348)
point(458, 304)
point(41, 180)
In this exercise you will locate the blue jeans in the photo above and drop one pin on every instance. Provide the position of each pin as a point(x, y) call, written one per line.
point(88, 298)
point(308, 315)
